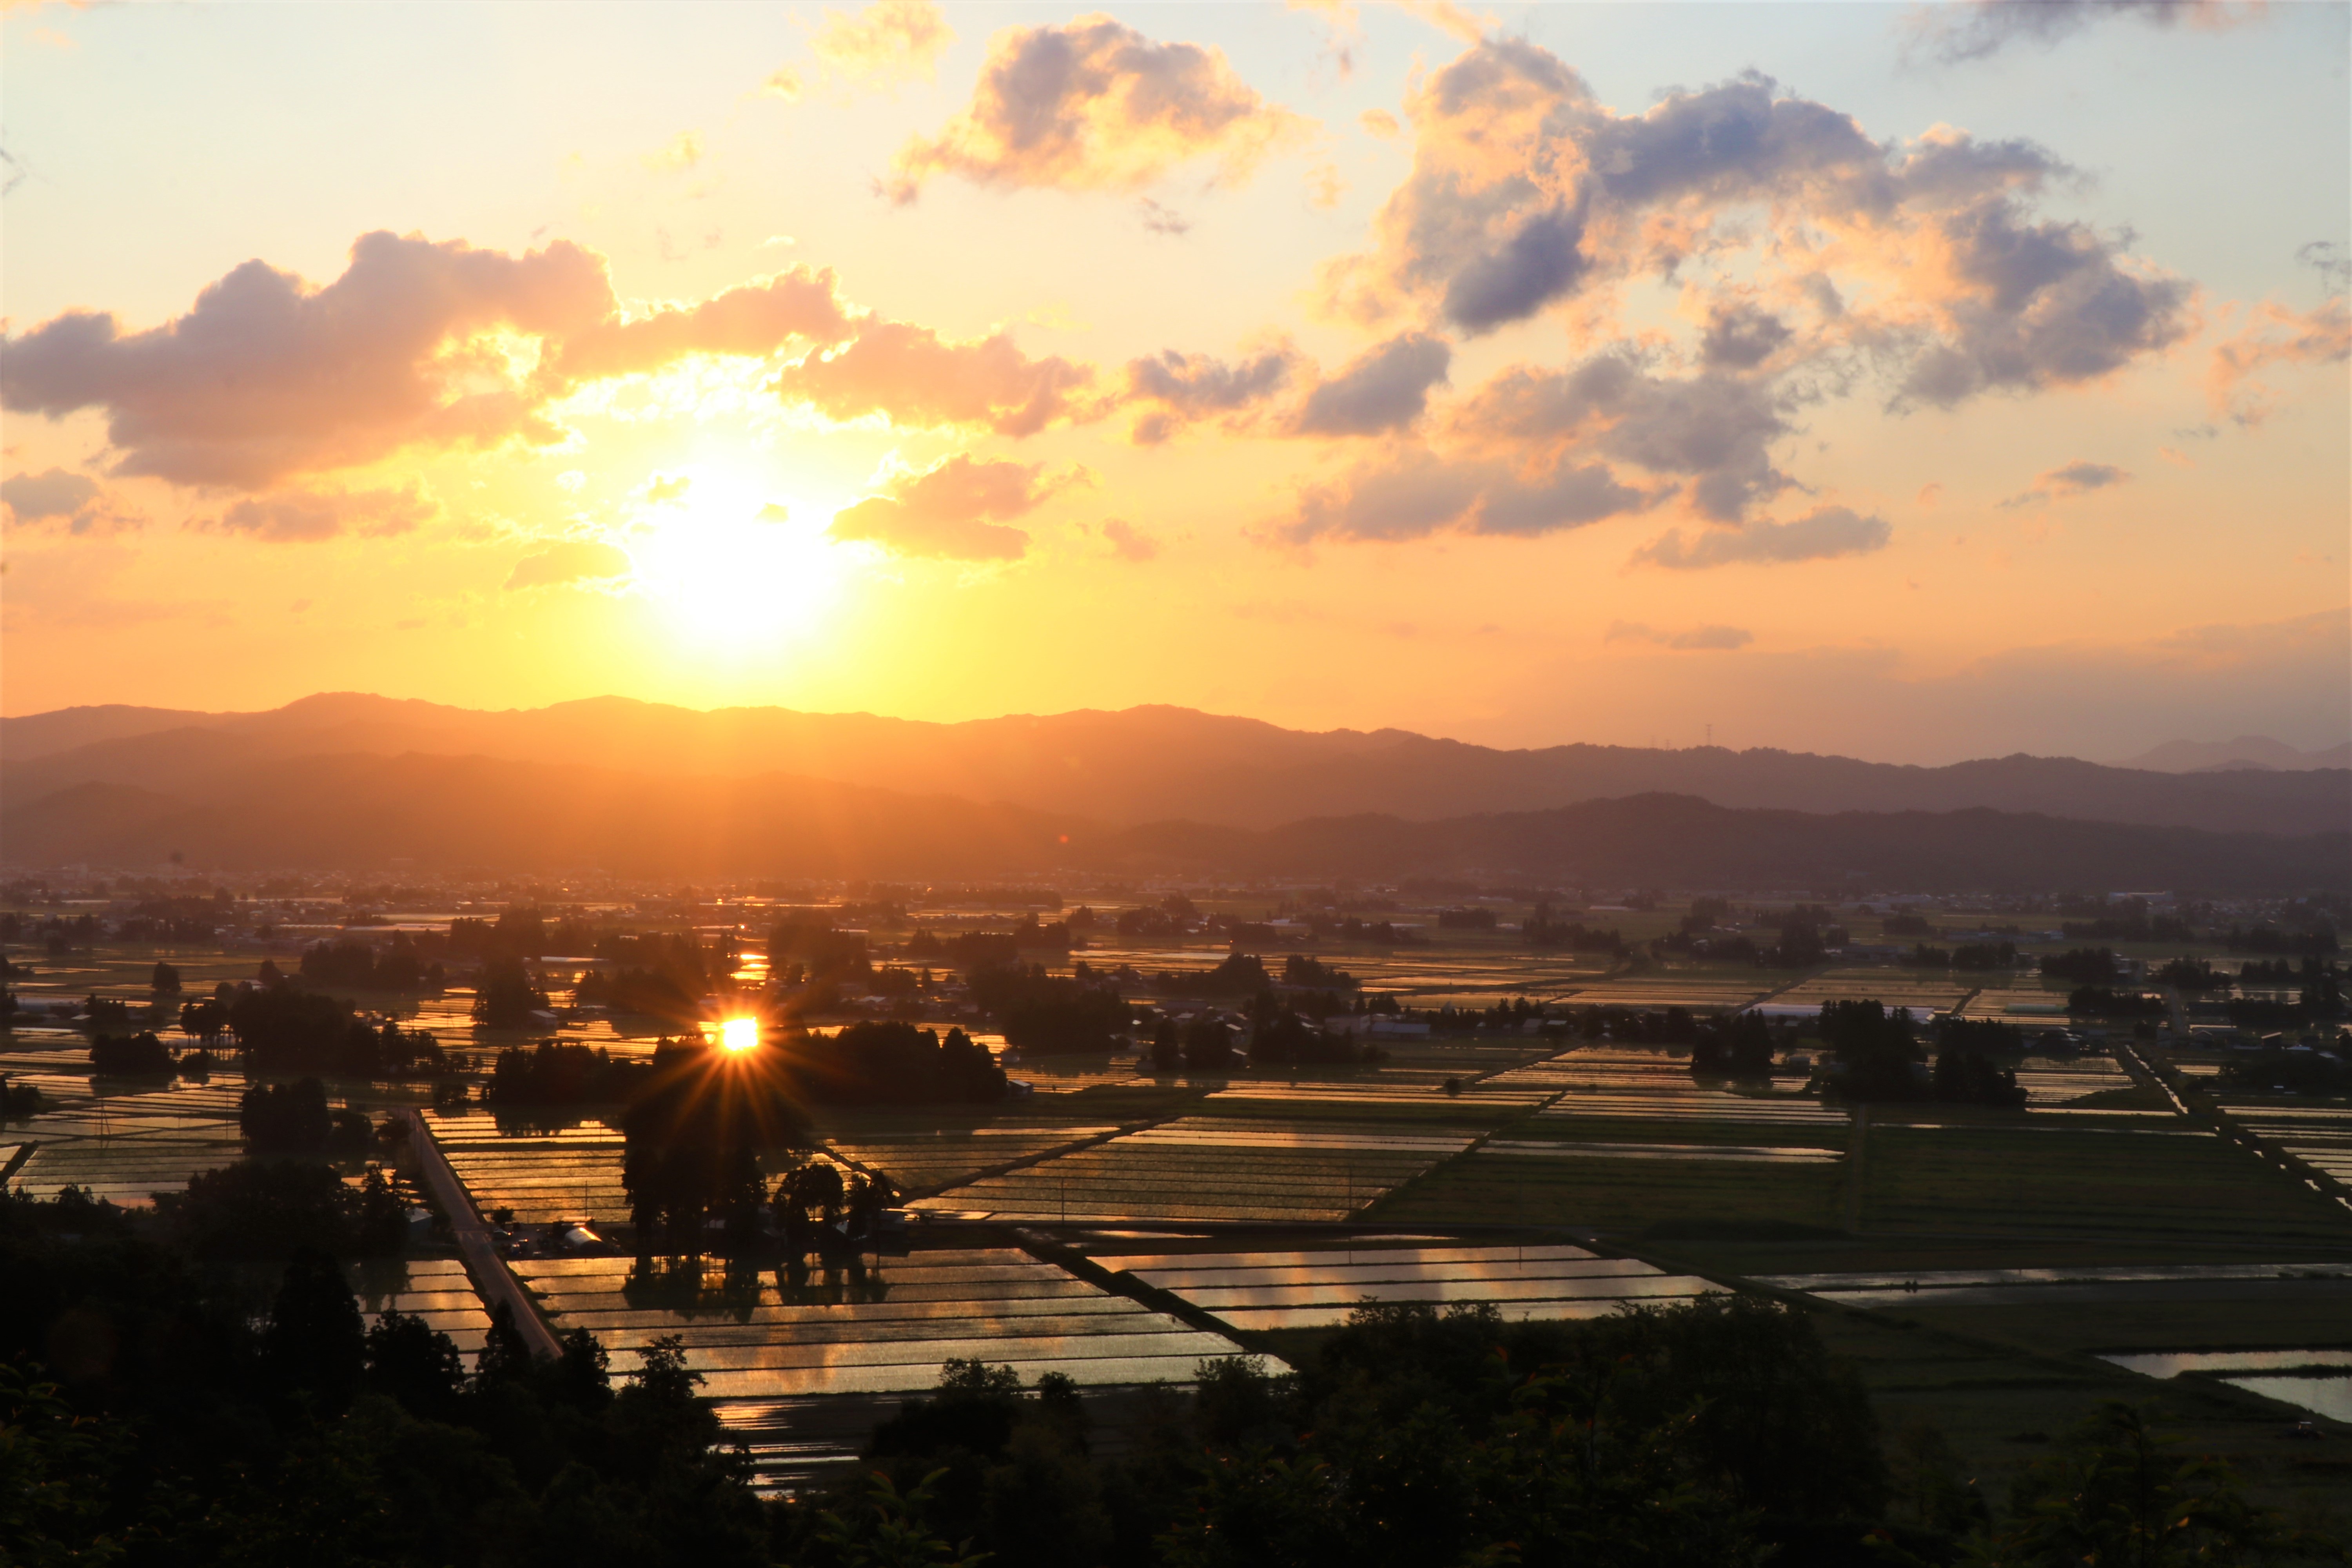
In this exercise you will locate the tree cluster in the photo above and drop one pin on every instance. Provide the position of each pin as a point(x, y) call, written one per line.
point(295, 1119)
point(1048, 1014)
point(399, 967)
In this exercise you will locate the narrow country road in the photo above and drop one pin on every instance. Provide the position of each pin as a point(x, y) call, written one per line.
point(491, 1277)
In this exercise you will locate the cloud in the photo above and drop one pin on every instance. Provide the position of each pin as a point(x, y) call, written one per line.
point(1379, 122)
point(662, 488)
point(1714, 429)
point(753, 320)
point(1384, 389)
point(2070, 480)
point(304, 516)
point(913, 377)
point(955, 510)
point(683, 150)
point(1129, 543)
point(266, 377)
point(573, 561)
point(1950, 34)
point(1196, 386)
point(883, 46)
point(54, 498)
point(1414, 492)
point(1820, 535)
point(2273, 335)
point(1708, 638)
point(1094, 105)
point(1528, 195)
point(1158, 219)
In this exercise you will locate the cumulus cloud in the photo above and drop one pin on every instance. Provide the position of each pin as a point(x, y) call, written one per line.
point(573, 561)
point(955, 510)
point(1977, 28)
point(881, 47)
point(1710, 638)
point(1185, 387)
point(2070, 480)
point(1714, 429)
point(1527, 193)
point(1129, 543)
point(1095, 105)
point(266, 377)
point(1384, 389)
point(753, 320)
point(54, 498)
point(2274, 336)
point(913, 377)
point(1414, 492)
point(304, 516)
point(1821, 535)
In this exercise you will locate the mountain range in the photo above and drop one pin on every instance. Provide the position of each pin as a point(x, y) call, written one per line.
point(350, 782)
point(2246, 751)
point(1137, 766)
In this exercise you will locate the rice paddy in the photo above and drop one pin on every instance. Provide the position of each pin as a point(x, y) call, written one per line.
point(433, 1289)
point(118, 1140)
point(1268, 1290)
point(1260, 1169)
point(2319, 1136)
point(883, 1326)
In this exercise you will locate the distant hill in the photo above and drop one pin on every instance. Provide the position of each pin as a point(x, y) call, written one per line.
point(2254, 753)
point(1137, 765)
point(448, 815)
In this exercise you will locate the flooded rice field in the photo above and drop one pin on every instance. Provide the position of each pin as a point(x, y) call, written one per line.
point(2319, 1136)
point(121, 1140)
point(433, 1289)
point(571, 1172)
point(2107, 1285)
point(1311, 1290)
point(924, 1160)
point(874, 1325)
point(1211, 1168)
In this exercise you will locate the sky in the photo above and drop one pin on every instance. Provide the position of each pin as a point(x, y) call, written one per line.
point(1914, 383)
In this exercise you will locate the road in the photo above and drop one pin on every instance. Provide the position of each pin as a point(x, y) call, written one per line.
point(492, 1278)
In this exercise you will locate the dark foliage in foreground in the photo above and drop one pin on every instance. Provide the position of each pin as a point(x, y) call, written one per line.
point(1693, 1434)
point(151, 1420)
point(156, 1412)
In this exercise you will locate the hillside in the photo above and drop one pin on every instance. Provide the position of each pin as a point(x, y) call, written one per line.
point(1142, 765)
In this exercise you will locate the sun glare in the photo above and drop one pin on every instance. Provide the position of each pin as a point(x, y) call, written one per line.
point(737, 570)
point(739, 1034)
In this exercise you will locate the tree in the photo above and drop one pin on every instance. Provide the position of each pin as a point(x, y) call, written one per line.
point(1208, 1043)
point(314, 1345)
point(1875, 1049)
point(165, 981)
point(504, 998)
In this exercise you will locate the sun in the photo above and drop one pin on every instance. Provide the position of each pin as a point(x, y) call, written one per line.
point(739, 1034)
point(736, 570)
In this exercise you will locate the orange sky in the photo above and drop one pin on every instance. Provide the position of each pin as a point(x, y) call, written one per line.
point(1910, 383)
